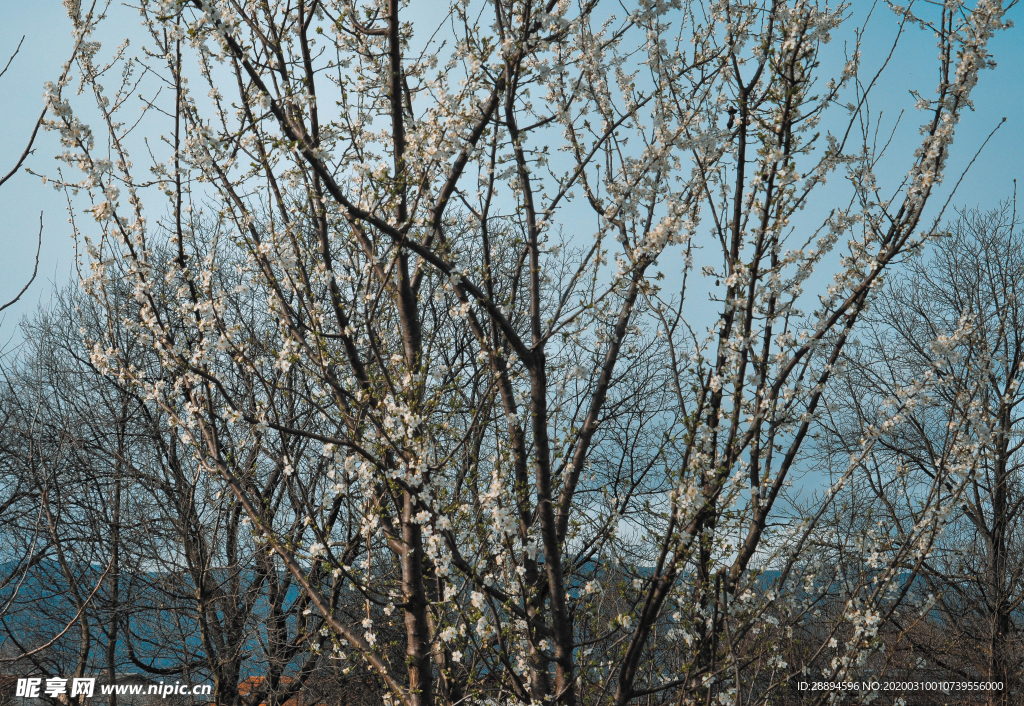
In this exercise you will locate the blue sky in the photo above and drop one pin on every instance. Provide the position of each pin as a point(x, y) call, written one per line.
point(48, 43)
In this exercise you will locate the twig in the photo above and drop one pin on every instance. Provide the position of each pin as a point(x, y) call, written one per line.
point(35, 270)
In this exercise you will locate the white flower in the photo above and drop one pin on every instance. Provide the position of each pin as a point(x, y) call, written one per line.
point(477, 599)
point(103, 211)
point(484, 629)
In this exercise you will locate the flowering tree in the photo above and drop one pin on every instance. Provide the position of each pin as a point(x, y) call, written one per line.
point(135, 559)
point(961, 444)
point(420, 275)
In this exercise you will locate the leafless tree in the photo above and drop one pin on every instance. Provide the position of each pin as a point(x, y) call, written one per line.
point(14, 493)
point(20, 555)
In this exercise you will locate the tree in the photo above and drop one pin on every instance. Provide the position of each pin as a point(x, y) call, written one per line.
point(184, 593)
point(14, 493)
point(24, 551)
point(965, 293)
point(371, 282)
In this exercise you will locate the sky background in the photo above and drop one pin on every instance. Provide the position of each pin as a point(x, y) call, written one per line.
point(47, 45)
